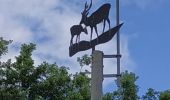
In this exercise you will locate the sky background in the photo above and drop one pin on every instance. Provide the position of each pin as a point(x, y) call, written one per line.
point(144, 36)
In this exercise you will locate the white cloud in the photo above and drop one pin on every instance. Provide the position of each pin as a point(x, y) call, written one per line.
point(47, 24)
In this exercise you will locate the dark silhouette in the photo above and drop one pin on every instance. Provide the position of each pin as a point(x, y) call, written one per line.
point(76, 30)
point(101, 14)
point(85, 45)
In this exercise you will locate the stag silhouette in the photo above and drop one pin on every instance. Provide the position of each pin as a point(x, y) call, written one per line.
point(101, 14)
point(76, 30)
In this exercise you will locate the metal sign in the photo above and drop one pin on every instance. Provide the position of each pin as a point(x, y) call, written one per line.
point(99, 16)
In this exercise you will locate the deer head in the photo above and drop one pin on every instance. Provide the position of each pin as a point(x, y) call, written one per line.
point(100, 15)
point(85, 12)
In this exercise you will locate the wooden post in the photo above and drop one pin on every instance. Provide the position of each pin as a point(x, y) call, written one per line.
point(97, 75)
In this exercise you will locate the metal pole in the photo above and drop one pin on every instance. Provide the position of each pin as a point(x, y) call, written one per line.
point(97, 75)
point(118, 43)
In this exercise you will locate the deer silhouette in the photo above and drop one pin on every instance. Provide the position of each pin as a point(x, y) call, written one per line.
point(76, 30)
point(101, 14)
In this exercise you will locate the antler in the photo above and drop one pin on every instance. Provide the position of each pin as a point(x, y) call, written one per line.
point(86, 7)
point(89, 6)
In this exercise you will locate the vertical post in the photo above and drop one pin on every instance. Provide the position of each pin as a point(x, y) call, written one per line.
point(118, 44)
point(97, 75)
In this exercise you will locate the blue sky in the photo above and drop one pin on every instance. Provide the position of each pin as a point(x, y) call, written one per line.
point(144, 36)
point(150, 46)
point(147, 26)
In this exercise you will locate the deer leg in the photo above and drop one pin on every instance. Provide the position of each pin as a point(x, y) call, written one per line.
point(76, 38)
point(71, 41)
point(104, 23)
point(91, 36)
point(79, 38)
point(91, 33)
point(96, 32)
point(108, 23)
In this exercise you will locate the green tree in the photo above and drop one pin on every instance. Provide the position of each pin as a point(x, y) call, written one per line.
point(151, 94)
point(53, 82)
point(108, 96)
point(4, 46)
point(128, 89)
point(24, 65)
point(165, 95)
point(8, 76)
point(85, 60)
point(22, 80)
point(80, 89)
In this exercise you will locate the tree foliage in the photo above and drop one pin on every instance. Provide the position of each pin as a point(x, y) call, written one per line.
point(4, 46)
point(151, 94)
point(128, 89)
point(22, 80)
point(165, 95)
point(84, 60)
point(108, 96)
point(80, 89)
